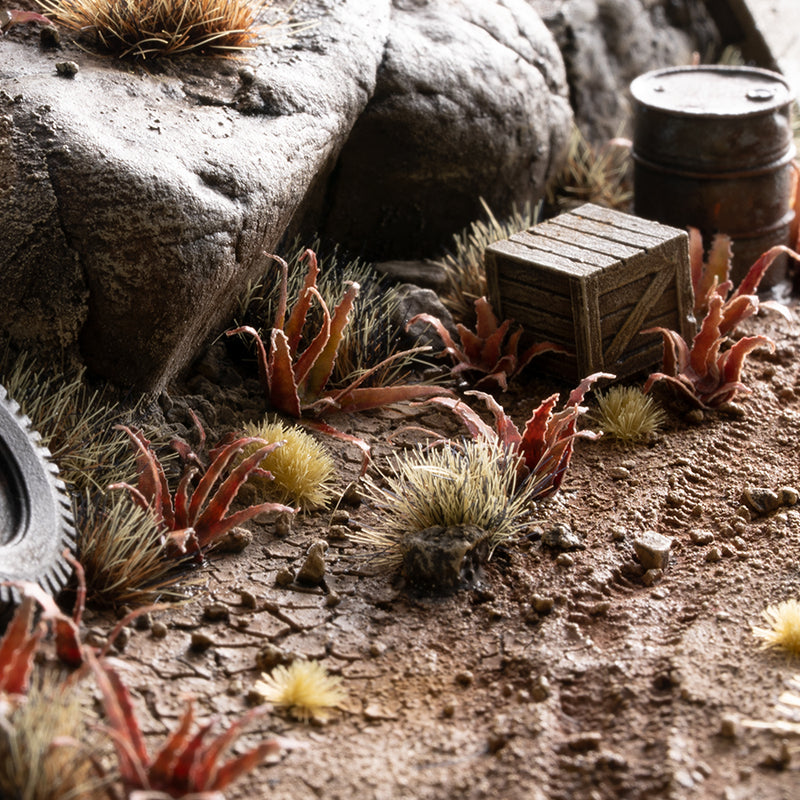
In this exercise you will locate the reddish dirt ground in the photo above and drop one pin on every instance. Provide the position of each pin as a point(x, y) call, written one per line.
point(563, 674)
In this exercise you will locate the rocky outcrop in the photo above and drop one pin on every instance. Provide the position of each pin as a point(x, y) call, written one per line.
point(137, 203)
point(466, 105)
point(607, 43)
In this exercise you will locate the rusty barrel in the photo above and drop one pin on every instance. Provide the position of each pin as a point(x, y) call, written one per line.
point(713, 148)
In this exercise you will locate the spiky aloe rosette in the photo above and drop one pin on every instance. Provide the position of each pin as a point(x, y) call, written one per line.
point(702, 375)
point(486, 351)
point(194, 520)
point(545, 445)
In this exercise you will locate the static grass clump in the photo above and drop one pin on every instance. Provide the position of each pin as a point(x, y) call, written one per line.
point(626, 413)
point(302, 469)
point(44, 747)
point(149, 28)
point(782, 631)
point(443, 511)
point(304, 688)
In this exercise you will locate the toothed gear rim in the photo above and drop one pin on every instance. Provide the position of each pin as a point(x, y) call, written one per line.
point(35, 511)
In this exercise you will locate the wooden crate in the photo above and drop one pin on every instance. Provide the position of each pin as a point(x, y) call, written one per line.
point(590, 280)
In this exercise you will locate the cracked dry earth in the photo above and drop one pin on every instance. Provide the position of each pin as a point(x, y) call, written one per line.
point(563, 675)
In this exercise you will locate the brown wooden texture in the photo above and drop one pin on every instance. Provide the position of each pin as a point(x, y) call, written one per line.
point(591, 280)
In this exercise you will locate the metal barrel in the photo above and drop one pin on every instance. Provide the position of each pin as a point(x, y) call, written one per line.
point(713, 148)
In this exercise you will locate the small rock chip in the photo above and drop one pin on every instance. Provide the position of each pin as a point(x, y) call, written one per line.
point(270, 656)
point(713, 555)
point(565, 560)
point(694, 417)
point(562, 537)
point(158, 630)
point(283, 524)
point(541, 689)
point(234, 541)
point(584, 741)
point(247, 75)
point(352, 497)
point(332, 599)
point(701, 537)
point(200, 641)
point(761, 500)
point(121, 639)
point(338, 533)
point(789, 495)
point(652, 576)
point(95, 637)
point(67, 69)
point(619, 473)
point(652, 549)
point(542, 604)
point(465, 678)
point(284, 577)
point(312, 572)
point(216, 612)
point(49, 37)
point(249, 600)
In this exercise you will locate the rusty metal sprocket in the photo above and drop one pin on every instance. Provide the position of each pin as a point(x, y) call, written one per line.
point(35, 510)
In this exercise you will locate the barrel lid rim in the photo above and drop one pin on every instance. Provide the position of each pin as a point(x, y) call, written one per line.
point(718, 69)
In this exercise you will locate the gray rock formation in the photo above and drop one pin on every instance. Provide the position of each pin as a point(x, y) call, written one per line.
point(136, 203)
point(607, 43)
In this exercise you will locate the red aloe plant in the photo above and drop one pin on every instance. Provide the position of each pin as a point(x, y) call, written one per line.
point(195, 521)
point(545, 446)
point(294, 383)
point(185, 765)
point(704, 376)
point(710, 279)
point(483, 351)
point(18, 647)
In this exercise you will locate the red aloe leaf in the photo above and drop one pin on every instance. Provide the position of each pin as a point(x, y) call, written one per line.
point(181, 776)
point(578, 393)
point(131, 751)
point(152, 482)
point(696, 266)
point(369, 397)
point(471, 345)
point(214, 529)
point(294, 327)
point(486, 323)
point(310, 355)
point(280, 311)
point(736, 310)
point(182, 500)
point(707, 342)
point(449, 345)
point(475, 425)
point(207, 775)
point(536, 350)
point(506, 431)
point(685, 387)
point(215, 469)
point(750, 282)
point(360, 443)
point(534, 438)
point(232, 769)
point(492, 348)
point(263, 362)
point(283, 392)
point(319, 374)
point(223, 497)
point(15, 16)
point(160, 772)
point(17, 649)
point(732, 360)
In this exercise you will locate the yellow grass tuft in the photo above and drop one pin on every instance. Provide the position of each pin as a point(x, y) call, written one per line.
point(783, 632)
point(149, 28)
point(302, 468)
point(304, 688)
point(627, 413)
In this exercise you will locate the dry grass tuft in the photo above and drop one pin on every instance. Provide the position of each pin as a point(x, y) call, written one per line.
point(304, 688)
point(783, 632)
point(628, 414)
point(464, 267)
point(303, 470)
point(41, 755)
point(474, 484)
point(592, 174)
point(122, 553)
point(74, 421)
point(150, 28)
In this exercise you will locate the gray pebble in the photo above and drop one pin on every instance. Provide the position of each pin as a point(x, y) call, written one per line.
point(312, 571)
point(653, 550)
point(67, 69)
point(158, 630)
point(561, 537)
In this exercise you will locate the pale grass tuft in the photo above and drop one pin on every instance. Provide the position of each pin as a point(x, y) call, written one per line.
point(474, 484)
point(302, 468)
point(41, 755)
point(783, 632)
point(464, 266)
point(627, 413)
point(304, 688)
point(149, 28)
point(122, 553)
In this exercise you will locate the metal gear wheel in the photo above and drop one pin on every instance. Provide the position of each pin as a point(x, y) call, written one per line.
point(35, 511)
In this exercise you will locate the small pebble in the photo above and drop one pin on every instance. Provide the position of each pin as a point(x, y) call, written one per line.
point(143, 622)
point(95, 637)
point(247, 75)
point(561, 537)
point(653, 550)
point(121, 639)
point(565, 560)
point(618, 533)
point(701, 537)
point(67, 69)
point(338, 533)
point(270, 656)
point(340, 517)
point(49, 37)
point(448, 710)
point(332, 599)
point(543, 605)
point(465, 678)
point(619, 473)
point(312, 571)
point(216, 612)
point(284, 577)
point(652, 576)
point(377, 649)
point(283, 524)
point(248, 599)
point(158, 630)
point(200, 641)
point(713, 555)
point(234, 541)
point(352, 497)
point(541, 689)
